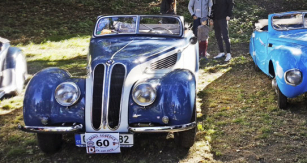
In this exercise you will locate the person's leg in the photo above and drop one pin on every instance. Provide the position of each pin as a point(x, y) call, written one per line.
point(202, 51)
point(196, 23)
point(205, 49)
point(224, 31)
point(218, 36)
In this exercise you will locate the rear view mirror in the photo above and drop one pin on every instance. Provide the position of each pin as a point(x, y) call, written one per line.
point(193, 40)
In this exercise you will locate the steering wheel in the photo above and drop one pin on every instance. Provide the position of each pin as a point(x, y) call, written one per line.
point(160, 28)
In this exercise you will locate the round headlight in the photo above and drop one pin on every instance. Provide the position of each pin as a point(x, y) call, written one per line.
point(293, 77)
point(144, 94)
point(67, 93)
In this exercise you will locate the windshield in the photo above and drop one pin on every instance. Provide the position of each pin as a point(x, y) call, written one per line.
point(290, 21)
point(153, 25)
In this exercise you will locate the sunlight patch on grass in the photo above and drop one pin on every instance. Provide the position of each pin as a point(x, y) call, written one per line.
point(50, 50)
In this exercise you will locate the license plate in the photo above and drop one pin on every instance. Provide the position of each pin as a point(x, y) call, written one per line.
point(125, 140)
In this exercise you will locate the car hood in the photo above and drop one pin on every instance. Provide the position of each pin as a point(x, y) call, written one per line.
point(130, 49)
point(299, 37)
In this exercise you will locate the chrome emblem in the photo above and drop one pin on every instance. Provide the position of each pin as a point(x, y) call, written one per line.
point(109, 62)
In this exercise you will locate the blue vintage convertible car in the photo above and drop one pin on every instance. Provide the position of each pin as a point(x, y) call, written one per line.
point(13, 69)
point(141, 78)
point(278, 47)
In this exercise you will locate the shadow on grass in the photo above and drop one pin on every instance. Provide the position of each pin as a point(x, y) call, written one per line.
point(75, 66)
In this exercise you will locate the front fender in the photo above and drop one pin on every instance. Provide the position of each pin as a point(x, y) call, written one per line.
point(285, 58)
point(39, 102)
point(175, 99)
point(12, 54)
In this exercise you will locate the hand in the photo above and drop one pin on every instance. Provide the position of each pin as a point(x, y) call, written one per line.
point(211, 22)
point(194, 17)
point(227, 18)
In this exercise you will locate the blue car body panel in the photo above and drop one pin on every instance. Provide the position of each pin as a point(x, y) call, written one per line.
point(277, 51)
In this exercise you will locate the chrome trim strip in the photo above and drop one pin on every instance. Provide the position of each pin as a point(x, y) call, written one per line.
point(51, 129)
point(175, 128)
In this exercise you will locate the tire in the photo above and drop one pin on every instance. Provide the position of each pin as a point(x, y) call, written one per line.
point(281, 99)
point(49, 143)
point(20, 74)
point(187, 138)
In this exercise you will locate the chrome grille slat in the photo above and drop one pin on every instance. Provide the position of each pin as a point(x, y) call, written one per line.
point(165, 62)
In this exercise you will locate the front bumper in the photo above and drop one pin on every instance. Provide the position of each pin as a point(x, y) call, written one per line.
point(78, 128)
point(51, 129)
point(175, 128)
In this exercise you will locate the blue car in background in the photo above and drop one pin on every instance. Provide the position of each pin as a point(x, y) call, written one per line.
point(13, 69)
point(278, 47)
point(141, 78)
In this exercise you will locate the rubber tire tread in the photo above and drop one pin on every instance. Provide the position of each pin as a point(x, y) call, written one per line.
point(187, 138)
point(49, 143)
point(281, 99)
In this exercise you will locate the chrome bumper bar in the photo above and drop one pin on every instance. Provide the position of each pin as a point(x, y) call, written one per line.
point(158, 129)
point(51, 129)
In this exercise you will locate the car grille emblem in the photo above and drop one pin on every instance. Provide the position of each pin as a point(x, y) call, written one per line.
point(109, 62)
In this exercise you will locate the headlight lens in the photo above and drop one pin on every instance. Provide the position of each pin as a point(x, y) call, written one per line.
point(293, 77)
point(144, 93)
point(67, 93)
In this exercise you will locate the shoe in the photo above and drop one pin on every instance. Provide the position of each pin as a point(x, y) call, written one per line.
point(219, 55)
point(207, 55)
point(228, 57)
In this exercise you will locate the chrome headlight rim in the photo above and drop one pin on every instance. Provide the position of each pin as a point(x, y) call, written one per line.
point(147, 103)
point(74, 86)
point(293, 71)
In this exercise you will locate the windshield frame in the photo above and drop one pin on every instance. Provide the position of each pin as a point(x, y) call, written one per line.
point(288, 27)
point(137, 26)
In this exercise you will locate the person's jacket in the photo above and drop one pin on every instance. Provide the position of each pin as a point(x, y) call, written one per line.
point(200, 8)
point(203, 32)
point(221, 9)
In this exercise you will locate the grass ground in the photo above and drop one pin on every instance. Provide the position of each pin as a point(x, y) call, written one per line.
point(238, 120)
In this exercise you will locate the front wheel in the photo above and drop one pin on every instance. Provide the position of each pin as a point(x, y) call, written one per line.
point(49, 143)
point(187, 138)
point(281, 99)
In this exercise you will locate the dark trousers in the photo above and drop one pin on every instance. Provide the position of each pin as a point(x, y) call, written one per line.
point(196, 23)
point(221, 33)
point(203, 48)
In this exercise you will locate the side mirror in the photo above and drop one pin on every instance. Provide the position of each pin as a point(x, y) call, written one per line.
point(193, 40)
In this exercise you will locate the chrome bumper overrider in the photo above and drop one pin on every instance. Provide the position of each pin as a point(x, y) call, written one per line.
point(51, 129)
point(175, 128)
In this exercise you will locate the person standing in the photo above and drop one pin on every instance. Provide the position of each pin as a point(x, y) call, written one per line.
point(199, 9)
point(202, 37)
point(168, 7)
point(221, 13)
